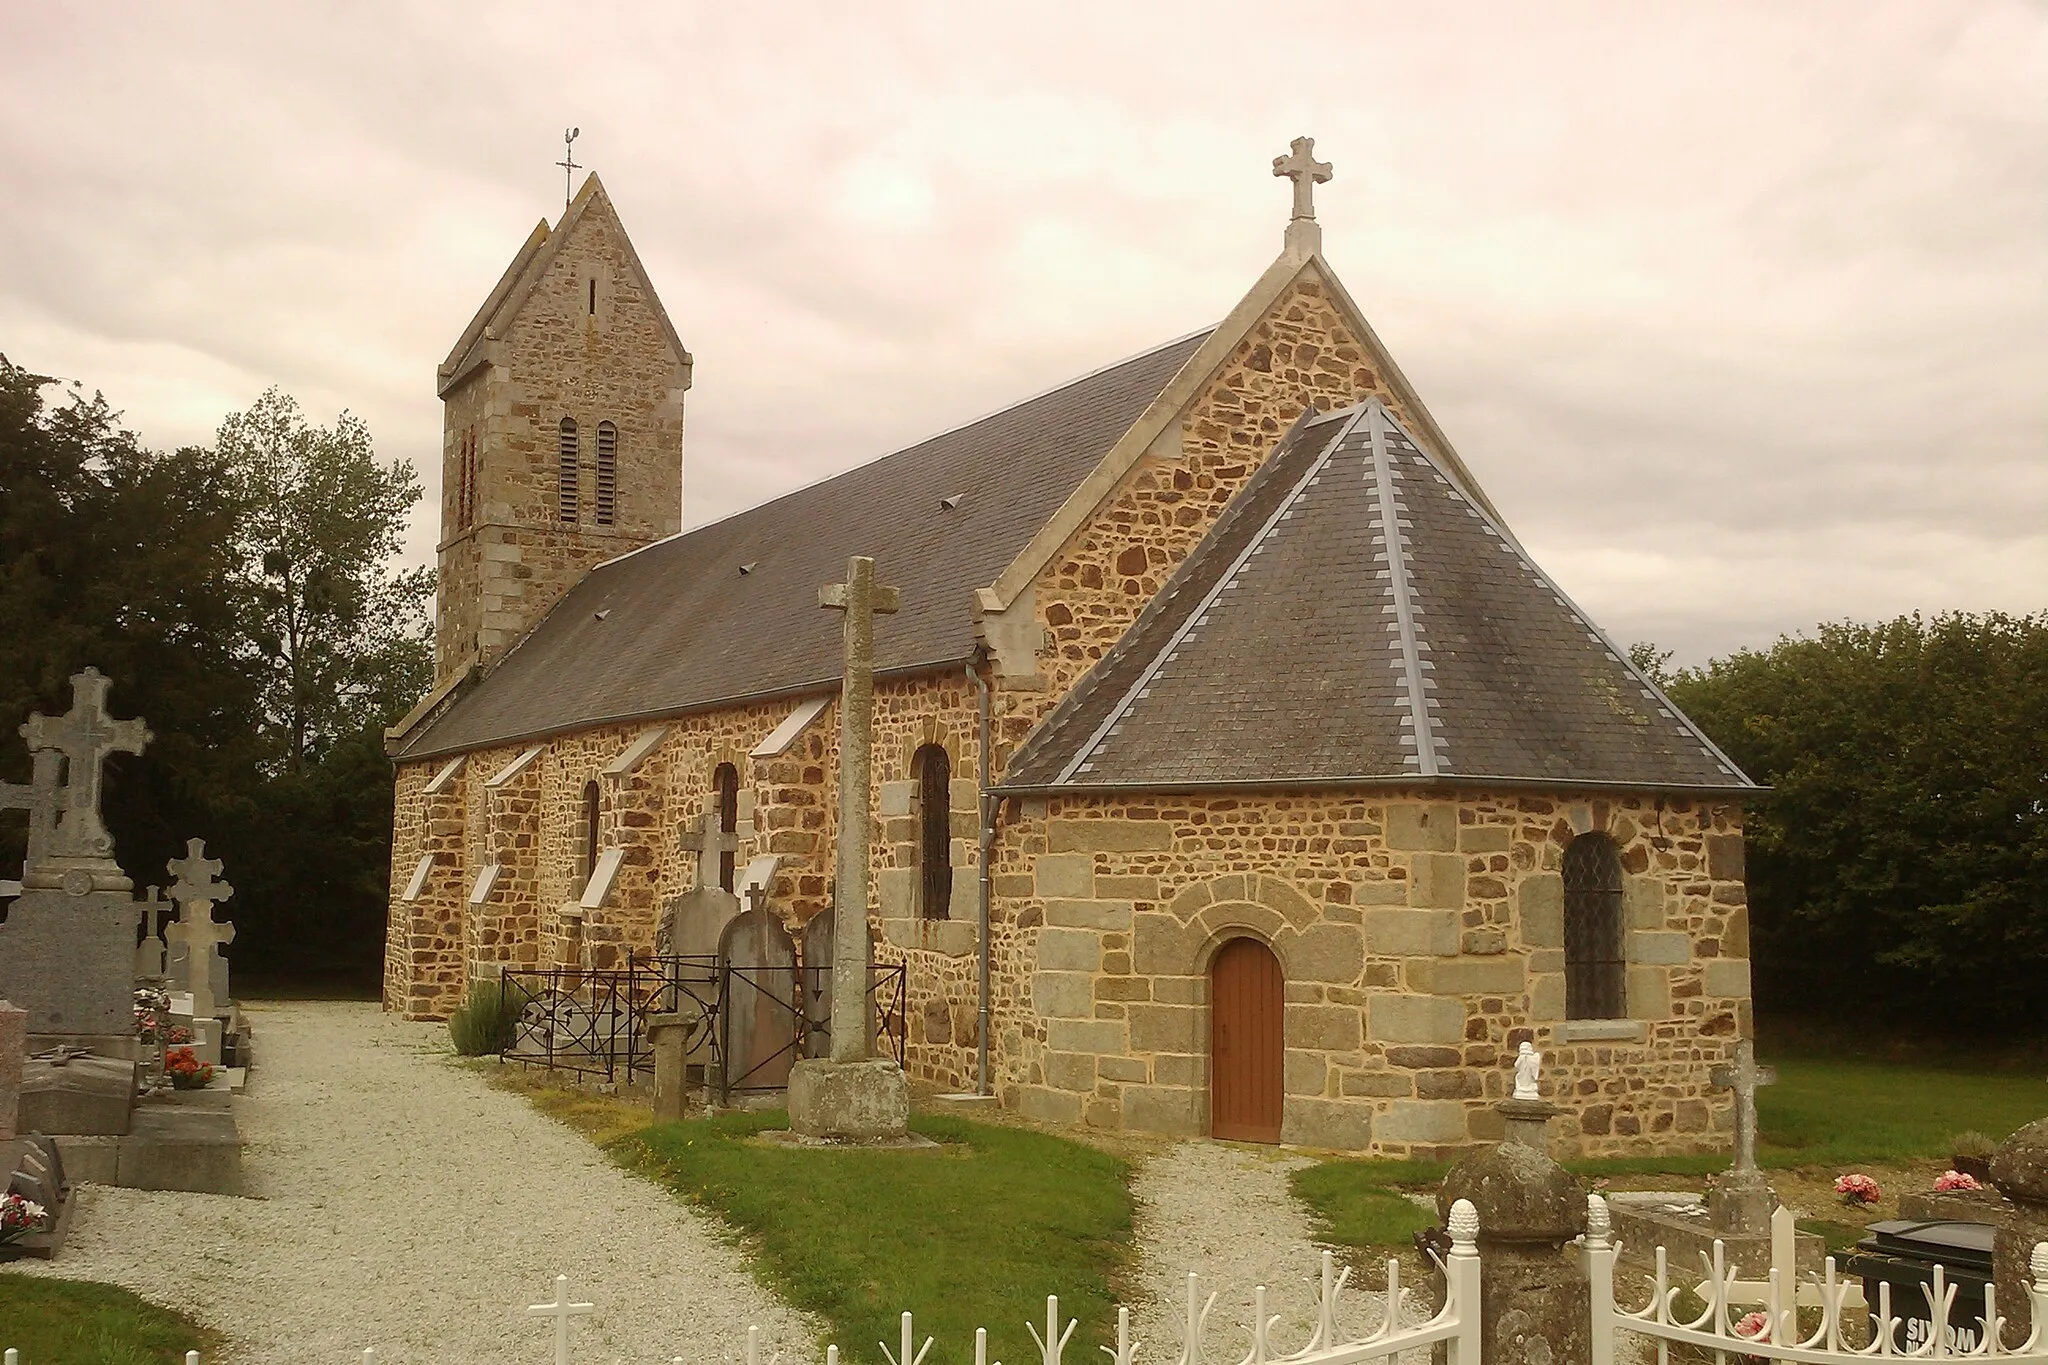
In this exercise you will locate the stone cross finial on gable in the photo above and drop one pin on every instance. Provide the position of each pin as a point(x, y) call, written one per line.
point(1300, 166)
point(1743, 1078)
point(84, 736)
point(710, 843)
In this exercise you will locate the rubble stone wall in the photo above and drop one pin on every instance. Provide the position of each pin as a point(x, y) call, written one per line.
point(1421, 940)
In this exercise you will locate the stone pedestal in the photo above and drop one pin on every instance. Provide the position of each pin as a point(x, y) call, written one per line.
point(1741, 1205)
point(1535, 1306)
point(668, 1035)
point(2020, 1171)
point(13, 1057)
point(70, 961)
point(865, 1101)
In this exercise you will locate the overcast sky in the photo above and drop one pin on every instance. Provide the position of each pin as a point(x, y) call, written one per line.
point(1738, 312)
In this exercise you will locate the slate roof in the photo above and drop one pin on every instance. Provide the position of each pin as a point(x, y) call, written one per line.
point(1356, 618)
point(676, 626)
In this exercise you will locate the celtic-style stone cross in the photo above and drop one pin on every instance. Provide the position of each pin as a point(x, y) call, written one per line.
point(84, 736)
point(197, 892)
point(1743, 1078)
point(862, 599)
point(710, 843)
point(1300, 166)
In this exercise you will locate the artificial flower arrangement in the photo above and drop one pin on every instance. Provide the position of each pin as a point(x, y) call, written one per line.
point(1858, 1190)
point(187, 1072)
point(1755, 1327)
point(1957, 1182)
point(19, 1217)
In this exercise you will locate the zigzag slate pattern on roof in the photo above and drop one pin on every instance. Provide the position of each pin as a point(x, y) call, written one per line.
point(1357, 618)
point(677, 626)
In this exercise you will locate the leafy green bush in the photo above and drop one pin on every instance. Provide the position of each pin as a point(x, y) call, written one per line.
point(486, 1023)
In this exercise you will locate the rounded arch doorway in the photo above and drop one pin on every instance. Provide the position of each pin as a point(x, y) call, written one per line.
point(1247, 1048)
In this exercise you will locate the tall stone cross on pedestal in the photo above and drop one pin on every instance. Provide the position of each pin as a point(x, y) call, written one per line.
point(862, 599)
point(78, 851)
point(196, 932)
point(1300, 166)
point(710, 843)
point(1743, 1078)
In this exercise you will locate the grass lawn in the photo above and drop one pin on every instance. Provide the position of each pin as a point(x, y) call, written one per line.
point(1822, 1115)
point(72, 1322)
point(974, 1234)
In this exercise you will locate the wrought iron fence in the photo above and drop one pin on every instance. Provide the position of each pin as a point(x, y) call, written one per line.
point(595, 1022)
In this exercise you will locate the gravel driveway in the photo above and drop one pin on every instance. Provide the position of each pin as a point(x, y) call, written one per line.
point(401, 1203)
point(1226, 1214)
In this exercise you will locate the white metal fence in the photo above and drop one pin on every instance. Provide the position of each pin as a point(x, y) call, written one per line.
point(1736, 1323)
point(1725, 1329)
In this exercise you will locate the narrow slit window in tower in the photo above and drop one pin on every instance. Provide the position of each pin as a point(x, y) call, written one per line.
point(593, 296)
point(566, 476)
point(592, 800)
point(607, 498)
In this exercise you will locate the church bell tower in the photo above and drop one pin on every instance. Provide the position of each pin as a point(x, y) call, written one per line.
point(562, 439)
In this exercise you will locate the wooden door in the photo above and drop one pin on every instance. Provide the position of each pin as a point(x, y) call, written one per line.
point(1246, 1048)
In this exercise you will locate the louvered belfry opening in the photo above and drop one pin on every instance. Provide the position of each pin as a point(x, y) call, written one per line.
point(934, 769)
point(1595, 970)
point(725, 786)
point(606, 494)
point(567, 477)
point(1247, 1046)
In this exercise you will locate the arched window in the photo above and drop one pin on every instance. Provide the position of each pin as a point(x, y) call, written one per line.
point(725, 783)
point(567, 478)
point(592, 799)
point(1595, 973)
point(607, 498)
point(934, 772)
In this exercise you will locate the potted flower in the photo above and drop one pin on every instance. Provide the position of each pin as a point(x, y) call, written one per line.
point(187, 1072)
point(1970, 1153)
point(1957, 1182)
point(1755, 1327)
point(1858, 1190)
point(19, 1217)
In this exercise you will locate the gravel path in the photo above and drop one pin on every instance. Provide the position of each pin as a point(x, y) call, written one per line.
point(1226, 1214)
point(402, 1203)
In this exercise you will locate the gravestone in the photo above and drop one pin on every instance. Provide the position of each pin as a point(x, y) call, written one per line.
point(817, 988)
point(77, 853)
point(13, 1056)
point(149, 954)
point(195, 961)
point(72, 1092)
point(758, 957)
point(694, 923)
point(1742, 1201)
point(67, 949)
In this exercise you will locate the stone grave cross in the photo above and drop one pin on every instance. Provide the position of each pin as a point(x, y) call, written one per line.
point(85, 736)
point(1743, 1078)
point(196, 893)
point(861, 599)
point(41, 797)
point(710, 843)
point(1300, 166)
point(149, 954)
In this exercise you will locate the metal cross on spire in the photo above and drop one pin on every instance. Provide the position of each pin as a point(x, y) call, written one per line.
point(1300, 166)
point(568, 163)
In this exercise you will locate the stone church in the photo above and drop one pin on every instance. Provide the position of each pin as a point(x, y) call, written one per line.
point(1236, 770)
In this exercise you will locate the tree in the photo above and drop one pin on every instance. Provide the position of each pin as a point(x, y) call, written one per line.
point(1900, 863)
point(122, 558)
point(340, 635)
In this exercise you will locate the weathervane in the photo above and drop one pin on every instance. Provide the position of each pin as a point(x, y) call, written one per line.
point(568, 162)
